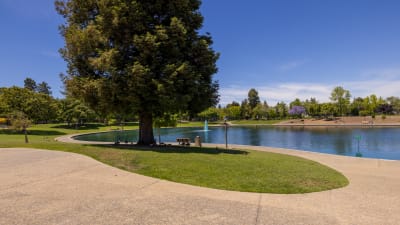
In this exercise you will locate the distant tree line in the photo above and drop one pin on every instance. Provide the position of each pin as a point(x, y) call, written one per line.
point(341, 104)
point(22, 106)
point(35, 104)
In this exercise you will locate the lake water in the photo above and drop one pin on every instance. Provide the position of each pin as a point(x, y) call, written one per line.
point(374, 142)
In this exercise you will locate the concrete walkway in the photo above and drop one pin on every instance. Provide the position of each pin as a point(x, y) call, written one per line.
point(50, 187)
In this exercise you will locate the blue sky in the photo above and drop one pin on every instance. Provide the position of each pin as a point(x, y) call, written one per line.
point(283, 48)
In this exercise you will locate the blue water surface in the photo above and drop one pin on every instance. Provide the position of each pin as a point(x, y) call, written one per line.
point(373, 142)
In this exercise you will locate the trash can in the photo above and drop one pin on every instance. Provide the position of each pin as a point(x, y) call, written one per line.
point(197, 141)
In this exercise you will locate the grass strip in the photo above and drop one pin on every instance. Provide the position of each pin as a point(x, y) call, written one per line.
point(236, 170)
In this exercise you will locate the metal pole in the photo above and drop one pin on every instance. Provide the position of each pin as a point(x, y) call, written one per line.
point(226, 135)
point(159, 135)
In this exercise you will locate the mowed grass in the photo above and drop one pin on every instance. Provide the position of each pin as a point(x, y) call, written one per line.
point(237, 170)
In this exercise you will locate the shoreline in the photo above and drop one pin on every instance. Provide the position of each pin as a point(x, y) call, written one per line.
point(289, 151)
point(360, 121)
point(336, 125)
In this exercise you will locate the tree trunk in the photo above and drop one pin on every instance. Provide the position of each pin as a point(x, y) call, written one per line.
point(26, 135)
point(146, 136)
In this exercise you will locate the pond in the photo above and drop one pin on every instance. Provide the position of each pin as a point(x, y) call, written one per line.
point(374, 142)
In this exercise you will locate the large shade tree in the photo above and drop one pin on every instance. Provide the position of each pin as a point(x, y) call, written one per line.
point(138, 56)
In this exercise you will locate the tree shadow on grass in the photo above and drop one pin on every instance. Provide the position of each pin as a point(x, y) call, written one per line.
point(174, 149)
point(45, 132)
point(32, 132)
point(89, 126)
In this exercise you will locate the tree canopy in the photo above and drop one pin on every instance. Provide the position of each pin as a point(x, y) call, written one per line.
point(138, 56)
point(44, 88)
point(37, 107)
point(342, 99)
point(30, 84)
point(253, 98)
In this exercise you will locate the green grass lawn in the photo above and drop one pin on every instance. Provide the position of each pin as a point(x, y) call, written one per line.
point(198, 123)
point(244, 170)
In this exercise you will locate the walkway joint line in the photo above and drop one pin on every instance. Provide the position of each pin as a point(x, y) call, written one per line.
point(258, 208)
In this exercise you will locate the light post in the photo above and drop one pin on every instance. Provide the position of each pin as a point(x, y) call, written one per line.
point(226, 134)
point(358, 138)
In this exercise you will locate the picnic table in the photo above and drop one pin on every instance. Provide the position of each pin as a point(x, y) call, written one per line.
point(183, 141)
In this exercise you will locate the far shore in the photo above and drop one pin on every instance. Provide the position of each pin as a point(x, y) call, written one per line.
point(359, 121)
point(344, 121)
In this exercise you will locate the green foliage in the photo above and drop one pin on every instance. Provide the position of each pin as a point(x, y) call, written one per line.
point(211, 113)
point(328, 110)
point(394, 102)
point(36, 106)
point(20, 122)
point(44, 88)
point(341, 98)
point(281, 110)
point(141, 57)
point(313, 108)
point(364, 113)
point(74, 111)
point(357, 106)
point(233, 104)
point(233, 112)
point(253, 98)
point(260, 112)
point(296, 102)
point(113, 122)
point(30, 84)
point(272, 113)
point(245, 110)
point(167, 120)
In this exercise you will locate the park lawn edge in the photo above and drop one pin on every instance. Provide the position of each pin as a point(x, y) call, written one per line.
point(194, 167)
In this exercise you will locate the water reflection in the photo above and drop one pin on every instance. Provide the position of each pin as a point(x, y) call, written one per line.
point(374, 143)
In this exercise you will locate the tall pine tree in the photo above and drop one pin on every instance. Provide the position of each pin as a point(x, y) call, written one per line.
point(138, 56)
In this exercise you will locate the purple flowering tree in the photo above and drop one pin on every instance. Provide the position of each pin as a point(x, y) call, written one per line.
point(297, 111)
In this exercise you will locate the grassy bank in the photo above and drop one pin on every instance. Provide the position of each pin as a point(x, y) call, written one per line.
point(243, 170)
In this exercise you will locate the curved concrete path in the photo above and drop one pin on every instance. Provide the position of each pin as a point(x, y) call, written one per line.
point(50, 187)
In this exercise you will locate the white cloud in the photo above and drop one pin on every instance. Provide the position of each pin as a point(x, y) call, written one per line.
point(384, 88)
point(381, 82)
point(287, 92)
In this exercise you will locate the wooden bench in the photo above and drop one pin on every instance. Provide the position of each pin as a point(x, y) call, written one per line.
point(183, 141)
